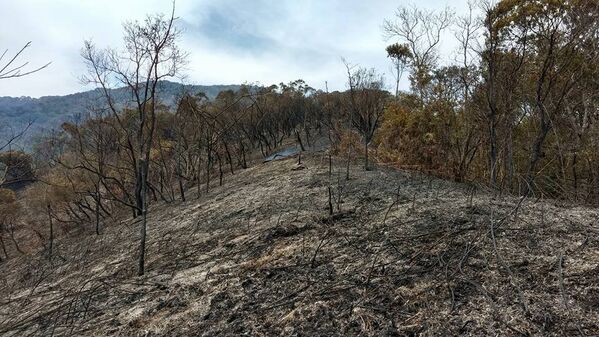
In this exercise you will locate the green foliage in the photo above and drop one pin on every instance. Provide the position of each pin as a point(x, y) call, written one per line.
point(400, 52)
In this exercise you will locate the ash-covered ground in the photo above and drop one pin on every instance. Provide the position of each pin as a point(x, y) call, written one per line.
point(402, 255)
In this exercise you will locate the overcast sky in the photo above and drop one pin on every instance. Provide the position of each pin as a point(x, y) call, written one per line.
point(229, 41)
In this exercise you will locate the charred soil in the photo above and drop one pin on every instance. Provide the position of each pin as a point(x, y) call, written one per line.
point(402, 255)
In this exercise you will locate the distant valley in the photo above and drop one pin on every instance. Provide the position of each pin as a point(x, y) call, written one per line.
point(48, 112)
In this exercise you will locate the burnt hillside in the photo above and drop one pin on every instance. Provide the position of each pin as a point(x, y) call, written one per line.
point(402, 255)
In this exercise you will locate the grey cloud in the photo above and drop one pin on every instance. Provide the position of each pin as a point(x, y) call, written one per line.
point(230, 41)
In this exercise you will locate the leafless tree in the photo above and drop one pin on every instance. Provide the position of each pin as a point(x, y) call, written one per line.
point(151, 54)
point(421, 30)
point(12, 67)
point(366, 103)
point(467, 34)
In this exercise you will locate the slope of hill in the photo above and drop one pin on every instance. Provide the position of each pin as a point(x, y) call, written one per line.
point(50, 111)
point(404, 255)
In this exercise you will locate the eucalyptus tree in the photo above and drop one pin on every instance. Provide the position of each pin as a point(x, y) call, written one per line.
point(400, 55)
point(555, 39)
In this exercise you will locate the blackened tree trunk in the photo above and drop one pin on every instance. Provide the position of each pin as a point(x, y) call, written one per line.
point(144, 167)
point(98, 201)
point(3, 247)
point(329, 187)
point(366, 164)
point(220, 169)
point(208, 169)
point(51, 239)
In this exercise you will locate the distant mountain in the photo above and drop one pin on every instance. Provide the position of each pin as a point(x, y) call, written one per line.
point(50, 112)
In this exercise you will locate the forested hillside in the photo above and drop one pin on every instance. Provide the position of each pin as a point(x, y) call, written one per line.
point(49, 112)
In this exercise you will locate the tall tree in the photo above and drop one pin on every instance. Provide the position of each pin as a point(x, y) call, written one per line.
point(421, 31)
point(150, 55)
point(366, 104)
point(400, 55)
point(556, 37)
